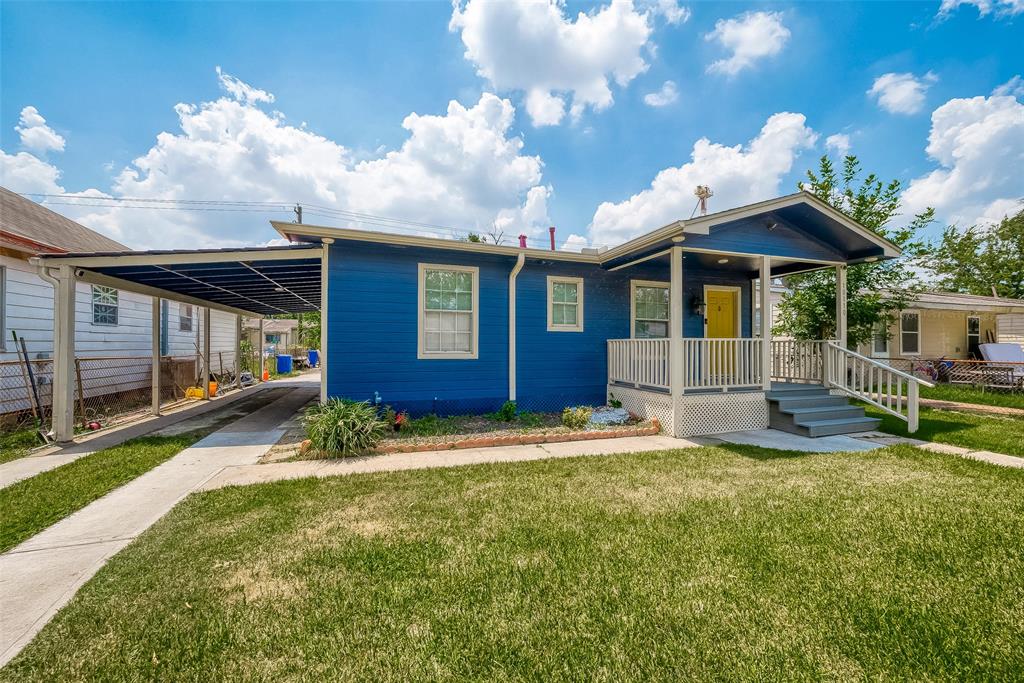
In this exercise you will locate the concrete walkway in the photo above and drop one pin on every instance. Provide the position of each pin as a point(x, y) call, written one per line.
point(257, 474)
point(42, 574)
point(55, 456)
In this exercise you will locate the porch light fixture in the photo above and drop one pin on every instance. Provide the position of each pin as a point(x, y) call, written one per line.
point(698, 305)
point(723, 260)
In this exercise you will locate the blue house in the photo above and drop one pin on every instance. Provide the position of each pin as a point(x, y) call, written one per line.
point(671, 324)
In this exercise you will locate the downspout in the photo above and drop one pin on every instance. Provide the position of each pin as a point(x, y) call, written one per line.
point(520, 260)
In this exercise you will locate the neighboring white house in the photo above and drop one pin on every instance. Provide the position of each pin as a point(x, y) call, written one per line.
point(112, 327)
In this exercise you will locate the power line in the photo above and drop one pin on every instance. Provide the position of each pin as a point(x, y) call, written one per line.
point(174, 208)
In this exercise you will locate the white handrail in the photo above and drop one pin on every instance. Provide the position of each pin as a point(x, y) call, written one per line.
point(708, 363)
point(639, 362)
point(798, 360)
point(874, 382)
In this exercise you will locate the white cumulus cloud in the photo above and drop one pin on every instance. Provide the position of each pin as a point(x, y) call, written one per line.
point(664, 96)
point(35, 134)
point(461, 168)
point(535, 48)
point(1002, 8)
point(738, 175)
point(673, 12)
point(838, 143)
point(901, 93)
point(750, 37)
point(978, 144)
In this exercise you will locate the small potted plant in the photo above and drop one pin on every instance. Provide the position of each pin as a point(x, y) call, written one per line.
point(401, 419)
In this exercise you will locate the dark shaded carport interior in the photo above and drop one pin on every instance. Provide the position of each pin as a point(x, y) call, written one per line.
point(260, 285)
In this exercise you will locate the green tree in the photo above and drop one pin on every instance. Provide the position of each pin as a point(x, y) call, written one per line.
point(875, 291)
point(980, 259)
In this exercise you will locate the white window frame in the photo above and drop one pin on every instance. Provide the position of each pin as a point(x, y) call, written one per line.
point(117, 305)
point(633, 284)
point(578, 281)
point(191, 317)
point(421, 345)
point(914, 312)
point(967, 328)
point(883, 328)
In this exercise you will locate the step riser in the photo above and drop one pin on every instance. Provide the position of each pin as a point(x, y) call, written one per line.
point(839, 413)
point(784, 414)
point(818, 402)
point(834, 430)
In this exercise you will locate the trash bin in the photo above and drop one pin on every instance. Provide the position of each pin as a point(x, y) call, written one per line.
point(284, 364)
point(314, 356)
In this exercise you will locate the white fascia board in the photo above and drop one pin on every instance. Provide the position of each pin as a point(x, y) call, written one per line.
point(179, 258)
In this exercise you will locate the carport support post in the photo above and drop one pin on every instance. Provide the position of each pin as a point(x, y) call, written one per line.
point(238, 351)
point(675, 335)
point(841, 304)
point(155, 338)
point(766, 322)
point(206, 353)
point(324, 271)
point(64, 355)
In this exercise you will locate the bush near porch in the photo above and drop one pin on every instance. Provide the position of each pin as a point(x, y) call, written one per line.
point(712, 563)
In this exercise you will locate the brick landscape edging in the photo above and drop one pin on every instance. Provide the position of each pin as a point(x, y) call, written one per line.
point(520, 439)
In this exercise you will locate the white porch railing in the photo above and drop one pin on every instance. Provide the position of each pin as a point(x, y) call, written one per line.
point(707, 363)
point(873, 382)
point(639, 362)
point(795, 360)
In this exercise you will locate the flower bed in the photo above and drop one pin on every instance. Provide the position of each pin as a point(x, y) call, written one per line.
point(506, 438)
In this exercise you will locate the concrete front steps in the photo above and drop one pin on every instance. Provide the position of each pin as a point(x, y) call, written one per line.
point(809, 410)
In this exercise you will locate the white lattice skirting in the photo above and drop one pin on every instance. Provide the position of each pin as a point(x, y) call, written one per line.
point(647, 404)
point(697, 414)
point(702, 414)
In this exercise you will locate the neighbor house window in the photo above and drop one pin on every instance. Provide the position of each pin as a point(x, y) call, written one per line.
point(104, 305)
point(565, 304)
point(910, 333)
point(973, 333)
point(184, 317)
point(448, 311)
point(880, 340)
point(650, 309)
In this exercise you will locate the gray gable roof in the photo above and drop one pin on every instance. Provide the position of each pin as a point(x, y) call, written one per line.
point(33, 221)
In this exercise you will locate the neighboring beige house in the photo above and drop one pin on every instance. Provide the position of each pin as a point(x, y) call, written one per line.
point(946, 325)
point(278, 334)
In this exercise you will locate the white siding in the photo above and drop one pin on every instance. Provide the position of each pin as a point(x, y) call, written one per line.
point(1010, 328)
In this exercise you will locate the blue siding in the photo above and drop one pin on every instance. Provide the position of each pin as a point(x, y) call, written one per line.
point(372, 330)
point(750, 237)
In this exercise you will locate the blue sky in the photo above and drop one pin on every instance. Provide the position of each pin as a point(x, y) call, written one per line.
point(106, 79)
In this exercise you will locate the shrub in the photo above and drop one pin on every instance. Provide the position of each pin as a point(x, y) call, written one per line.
point(343, 426)
point(576, 418)
point(614, 402)
point(507, 412)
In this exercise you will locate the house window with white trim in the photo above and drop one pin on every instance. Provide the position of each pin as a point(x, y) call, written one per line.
point(650, 309)
point(880, 340)
point(185, 316)
point(910, 333)
point(448, 315)
point(565, 304)
point(973, 334)
point(104, 305)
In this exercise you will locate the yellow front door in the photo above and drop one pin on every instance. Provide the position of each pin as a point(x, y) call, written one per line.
point(721, 313)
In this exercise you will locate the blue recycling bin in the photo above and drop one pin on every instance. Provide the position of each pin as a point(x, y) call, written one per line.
point(284, 364)
point(314, 356)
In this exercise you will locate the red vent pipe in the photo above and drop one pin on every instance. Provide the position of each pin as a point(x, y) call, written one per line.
point(552, 231)
point(522, 241)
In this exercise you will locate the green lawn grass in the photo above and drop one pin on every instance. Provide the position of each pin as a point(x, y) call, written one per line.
point(968, 394)
point(1002, 434)
point(17, 444)
point(29, 506)
point(715, 563)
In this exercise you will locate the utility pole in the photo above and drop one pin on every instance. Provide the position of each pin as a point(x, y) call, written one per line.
point(298, 213)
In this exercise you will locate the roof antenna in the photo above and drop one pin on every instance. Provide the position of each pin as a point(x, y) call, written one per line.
point(703, 192)
point(298, 212)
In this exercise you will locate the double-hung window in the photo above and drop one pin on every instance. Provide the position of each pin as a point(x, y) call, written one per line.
point(880, 340)
point(104, 305)
point(565, 304)
point(973, 335)
point(184, 317)
point(910, 333)
point(650, 309)
point(448, 311)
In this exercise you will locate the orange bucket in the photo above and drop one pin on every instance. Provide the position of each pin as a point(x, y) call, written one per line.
point(213, 388)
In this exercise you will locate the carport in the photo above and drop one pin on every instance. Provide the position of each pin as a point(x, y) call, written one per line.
point(251, 282)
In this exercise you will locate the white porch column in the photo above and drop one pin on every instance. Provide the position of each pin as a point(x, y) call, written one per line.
point(155, 345)
point(238, 350)
point(766, 322)
point(206, 353)
point(64, 355)
point(841, 304)
point(324, 273)
point(675, 323)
